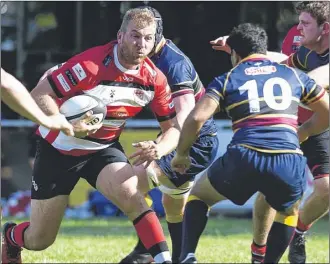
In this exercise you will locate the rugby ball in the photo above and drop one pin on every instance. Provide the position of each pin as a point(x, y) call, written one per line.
point(77, 106)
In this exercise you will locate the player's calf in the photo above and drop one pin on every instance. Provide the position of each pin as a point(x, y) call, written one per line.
point(281, 233)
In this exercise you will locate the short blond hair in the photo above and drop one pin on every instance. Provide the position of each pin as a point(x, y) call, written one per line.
point(143, 17)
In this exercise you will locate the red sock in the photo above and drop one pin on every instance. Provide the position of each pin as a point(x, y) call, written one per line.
point(258, 252)
point(302, 227)
point(16, 233)
point(152, 236)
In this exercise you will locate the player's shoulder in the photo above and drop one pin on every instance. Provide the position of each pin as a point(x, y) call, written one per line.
point(93, 59)
point(172, 55)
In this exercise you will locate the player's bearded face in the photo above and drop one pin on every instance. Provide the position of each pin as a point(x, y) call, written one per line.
point(310, 30)
point(137, 43)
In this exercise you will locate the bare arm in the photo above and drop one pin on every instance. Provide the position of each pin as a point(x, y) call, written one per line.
point(44, 95)
point(184, 104)
point(221, 45)
point(277, 56)
point(203, 110)
point(17, 97)
point(319, 122)
point(169, 138)
point(321, 76)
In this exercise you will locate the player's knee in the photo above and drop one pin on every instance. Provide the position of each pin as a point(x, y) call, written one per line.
point(173, 208)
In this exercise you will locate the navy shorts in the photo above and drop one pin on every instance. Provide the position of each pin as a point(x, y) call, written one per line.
point(202, 153)
point(241, 172)
point(56, 174)
point(316, 150)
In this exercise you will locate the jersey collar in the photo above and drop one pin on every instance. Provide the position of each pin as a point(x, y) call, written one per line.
point(255, 57)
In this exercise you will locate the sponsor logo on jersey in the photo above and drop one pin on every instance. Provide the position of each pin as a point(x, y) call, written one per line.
point(297, 39)
point(119, 114)
point(127, 79)
point(71, 77)
point(260, 70)
point(63, 82)
point(79, 71)
point(107, 60)
point(171, 105)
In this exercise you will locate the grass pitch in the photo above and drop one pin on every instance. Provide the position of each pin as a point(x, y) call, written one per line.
point(109, 240)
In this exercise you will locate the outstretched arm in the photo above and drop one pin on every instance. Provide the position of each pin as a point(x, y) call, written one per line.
point(17, 97)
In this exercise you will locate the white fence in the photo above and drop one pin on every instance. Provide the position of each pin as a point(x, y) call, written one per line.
point(225, 134)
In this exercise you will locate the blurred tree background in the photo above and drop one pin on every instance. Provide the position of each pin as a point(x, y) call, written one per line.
point(38, 35)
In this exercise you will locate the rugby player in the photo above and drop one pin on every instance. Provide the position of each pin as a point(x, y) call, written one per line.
point(264, 154)
point(312, 33)
point(121, 74)
point(17, 97)
point(186, 90)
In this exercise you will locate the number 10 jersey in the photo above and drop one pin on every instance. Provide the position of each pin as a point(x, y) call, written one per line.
point(262, 98)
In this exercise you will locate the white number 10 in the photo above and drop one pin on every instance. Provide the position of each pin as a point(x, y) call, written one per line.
point(268, 90)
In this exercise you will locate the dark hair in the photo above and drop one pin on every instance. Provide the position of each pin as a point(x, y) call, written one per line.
point(247, 39)
point(159, 24)
point(317, 9)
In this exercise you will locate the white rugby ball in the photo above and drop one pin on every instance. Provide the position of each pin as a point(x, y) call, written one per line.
point(77, 106)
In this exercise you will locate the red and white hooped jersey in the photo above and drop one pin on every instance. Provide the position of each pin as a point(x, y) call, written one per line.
point(98, 72)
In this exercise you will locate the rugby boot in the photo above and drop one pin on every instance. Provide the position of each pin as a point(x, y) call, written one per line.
point(136, 257)
point(297, 250)
point(10, 252)
point(190, 258)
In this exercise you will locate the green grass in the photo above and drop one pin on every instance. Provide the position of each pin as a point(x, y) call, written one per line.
point(107, 241)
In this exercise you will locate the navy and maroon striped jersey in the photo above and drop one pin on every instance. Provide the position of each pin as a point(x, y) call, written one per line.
point(262, 98)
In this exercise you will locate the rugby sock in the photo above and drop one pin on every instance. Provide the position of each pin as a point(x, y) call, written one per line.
point(16, 234)
point(302, 228)
point(279, 237)
point(258, 252)
point(195, 219)
point(152, 236)
point(140, 248)
point(175, 230)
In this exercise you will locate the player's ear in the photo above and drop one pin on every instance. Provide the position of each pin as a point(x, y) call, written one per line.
point(234, 57)
point(325, 28)
point(119, 36)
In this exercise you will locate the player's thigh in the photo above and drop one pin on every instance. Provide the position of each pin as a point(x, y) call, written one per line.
point(52, 182)
point(110, 172)
point(234, 175)
point(46, 216)
point(53, 173)
point(316, 150)
point(283, 179)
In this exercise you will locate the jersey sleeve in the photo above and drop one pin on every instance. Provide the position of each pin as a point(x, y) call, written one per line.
point(312, 92)
point(180, 79)
point(162, 105)
point(78, 73)
point(299, 59)
point(215, 89)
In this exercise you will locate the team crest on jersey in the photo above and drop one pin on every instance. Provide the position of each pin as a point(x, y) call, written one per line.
point(139, 97)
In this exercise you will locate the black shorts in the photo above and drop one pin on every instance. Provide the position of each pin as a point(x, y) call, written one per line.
point(316, 150)
point(56, 174)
